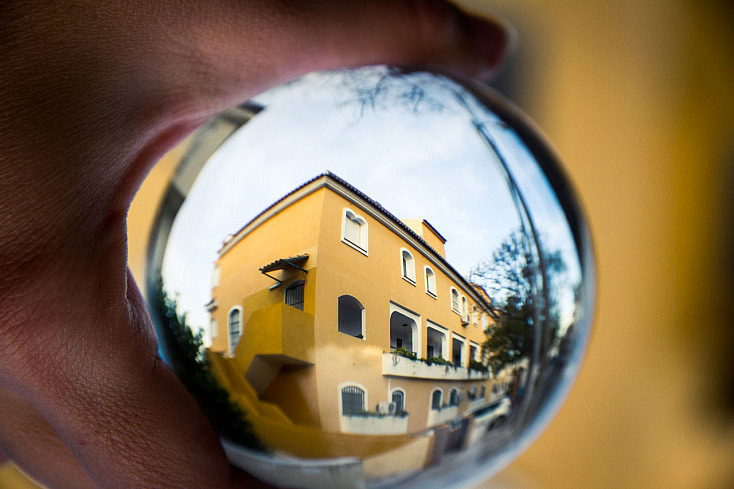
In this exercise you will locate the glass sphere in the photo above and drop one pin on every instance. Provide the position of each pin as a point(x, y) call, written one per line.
point(372, 278)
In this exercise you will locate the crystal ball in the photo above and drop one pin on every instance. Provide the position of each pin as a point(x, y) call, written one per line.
point(372, 278)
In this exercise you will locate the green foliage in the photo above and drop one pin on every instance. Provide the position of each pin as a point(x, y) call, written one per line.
point(186, 356)
point(437, 361)
point(478, 366)
point(404, 352)
point(375, 414)
point(511, 338)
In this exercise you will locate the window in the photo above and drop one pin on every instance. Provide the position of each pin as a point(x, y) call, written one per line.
point(482, 392)
point(436, 340)
point(436, 400)
point(351, 316)
point(464, 312)
point(407, 265)
point(473, 352)
point(234, 321)
point(294, 295)
point(215, 276)
point(457, 351)
point(454, 397)
point(213, 328)
point(354, 231)
point(430, 282)
point(352, 400)
point(485, 322)
point(398, 398)
point(405, 331)
point(455, 300)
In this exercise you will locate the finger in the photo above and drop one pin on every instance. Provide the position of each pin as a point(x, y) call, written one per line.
point(330, 34)
point(122, 413)
point(122, 81)
point(95, 92)
point(28, 439)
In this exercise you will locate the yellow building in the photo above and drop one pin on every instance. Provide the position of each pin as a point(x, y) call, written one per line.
point(332, 321)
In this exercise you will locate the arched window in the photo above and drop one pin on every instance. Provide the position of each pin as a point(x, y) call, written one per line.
point(454, 397)
point(351, 316)
point(234, 325)
point(464, 310)
point(455, 300)
point(354, 231)
point(430, 282)
point(353, 400)
point(398, 398)
point(407, 264)
point(436, 399)
point(294, 294)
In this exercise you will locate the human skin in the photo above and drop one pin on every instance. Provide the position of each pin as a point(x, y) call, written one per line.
point(93, 93)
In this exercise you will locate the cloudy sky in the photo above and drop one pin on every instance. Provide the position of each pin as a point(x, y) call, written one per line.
point(412, 147)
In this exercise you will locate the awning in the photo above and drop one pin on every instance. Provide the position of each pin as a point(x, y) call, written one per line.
point(282, 264)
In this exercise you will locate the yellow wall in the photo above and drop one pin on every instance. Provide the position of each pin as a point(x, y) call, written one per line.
point(293, 233)
point(306, 381)
point(637, 98)
point(374, 280)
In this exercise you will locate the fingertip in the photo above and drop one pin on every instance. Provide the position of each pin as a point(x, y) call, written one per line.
point(493, 39)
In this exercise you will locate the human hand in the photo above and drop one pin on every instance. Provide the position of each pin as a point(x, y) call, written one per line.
point(93, 94)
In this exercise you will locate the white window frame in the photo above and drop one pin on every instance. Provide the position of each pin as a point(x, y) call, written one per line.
point(417, 337)
point(407, 271)
point(456, 399)
point(456, 308)
point(432, 293)
point(464, 353)
point(479, 351)
point(352, 384)
point(363, 245)
point(214, 328)
point(216, 274)
point(430, 400)
point(364, 318)
point(405, 397)
point(445, 343)
point(231, 346)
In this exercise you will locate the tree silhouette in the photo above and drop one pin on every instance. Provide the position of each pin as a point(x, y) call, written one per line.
point(508, 276)
point(186, 357)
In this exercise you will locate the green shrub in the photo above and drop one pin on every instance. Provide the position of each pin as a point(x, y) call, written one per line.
point(404, 352)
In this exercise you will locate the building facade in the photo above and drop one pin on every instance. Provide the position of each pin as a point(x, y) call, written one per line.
point(332, 322)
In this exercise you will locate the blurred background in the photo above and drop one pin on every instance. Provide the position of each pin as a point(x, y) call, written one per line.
point(638, 100)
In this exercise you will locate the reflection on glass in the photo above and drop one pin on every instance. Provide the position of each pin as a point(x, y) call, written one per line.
point(371, 278)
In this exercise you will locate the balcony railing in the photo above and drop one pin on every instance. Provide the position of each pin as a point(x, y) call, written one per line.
point(400, 366)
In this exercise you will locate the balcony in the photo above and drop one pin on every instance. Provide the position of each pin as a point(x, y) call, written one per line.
point(371, 424)
point(274, 336)
point(399, 366)
point(443, 415)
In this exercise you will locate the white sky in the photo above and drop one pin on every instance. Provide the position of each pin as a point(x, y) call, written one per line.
point(428, 164)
